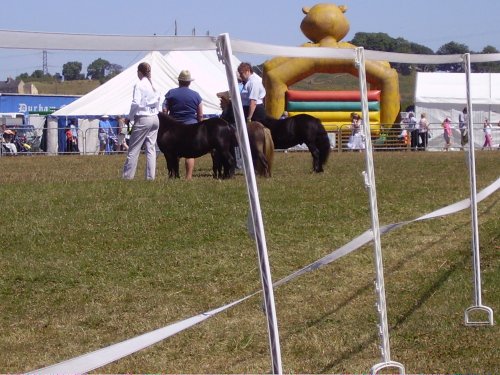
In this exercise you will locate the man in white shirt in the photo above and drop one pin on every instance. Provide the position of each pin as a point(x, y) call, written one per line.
point(252, 93)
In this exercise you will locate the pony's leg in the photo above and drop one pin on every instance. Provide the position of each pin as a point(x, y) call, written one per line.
point(228, 163)
point(169, 166)
point(172, 165)
point(317, 167)
point(216, 164)
point(262, 166)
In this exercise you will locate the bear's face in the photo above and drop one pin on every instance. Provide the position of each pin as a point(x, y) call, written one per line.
point(324, 20)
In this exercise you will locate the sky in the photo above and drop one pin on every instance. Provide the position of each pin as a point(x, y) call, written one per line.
point(431, 23)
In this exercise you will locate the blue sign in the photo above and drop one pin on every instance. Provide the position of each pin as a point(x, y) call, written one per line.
point(34, 103)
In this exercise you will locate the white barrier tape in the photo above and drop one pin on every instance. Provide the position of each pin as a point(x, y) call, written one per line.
point(367, 236)
point(93, 360)
point(462, 205)
point(94, 42)
point(104, 356)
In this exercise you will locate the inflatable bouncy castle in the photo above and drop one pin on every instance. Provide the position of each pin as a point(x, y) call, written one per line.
point(325, 25)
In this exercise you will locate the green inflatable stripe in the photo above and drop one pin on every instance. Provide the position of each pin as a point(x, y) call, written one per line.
point(330, 106)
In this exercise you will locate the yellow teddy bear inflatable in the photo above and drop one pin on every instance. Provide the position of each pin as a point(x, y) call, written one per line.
point(325, 25)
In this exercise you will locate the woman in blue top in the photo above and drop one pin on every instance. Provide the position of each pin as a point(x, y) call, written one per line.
point(184, 105)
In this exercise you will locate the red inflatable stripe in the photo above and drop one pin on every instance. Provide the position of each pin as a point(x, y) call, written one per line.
point(330, 96)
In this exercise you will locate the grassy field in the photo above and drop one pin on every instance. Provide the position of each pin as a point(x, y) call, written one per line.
point(81, 87)
point(88, 260)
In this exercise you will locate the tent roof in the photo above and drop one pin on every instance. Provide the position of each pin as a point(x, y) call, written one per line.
point(114, 97)
point(450, 88)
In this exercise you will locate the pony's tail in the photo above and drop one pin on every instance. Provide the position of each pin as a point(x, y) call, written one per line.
point(323, 144)
point(269, 150)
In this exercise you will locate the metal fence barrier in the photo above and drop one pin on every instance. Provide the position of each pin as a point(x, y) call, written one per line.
point(28, 141)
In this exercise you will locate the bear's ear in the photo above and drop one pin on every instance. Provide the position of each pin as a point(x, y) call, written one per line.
point(343, 8)
point(306, 10)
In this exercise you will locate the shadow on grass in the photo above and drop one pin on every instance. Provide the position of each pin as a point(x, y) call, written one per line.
point(424, 297)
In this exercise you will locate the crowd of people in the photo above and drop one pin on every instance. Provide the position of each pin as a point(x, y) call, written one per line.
point(418, 133)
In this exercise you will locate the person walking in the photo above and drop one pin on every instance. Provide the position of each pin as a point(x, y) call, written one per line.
point(423, 131)
point(462, 125)
point(105, 134)
point(69, 140)
point(144, 112)
point(122, 132)
point(487, 135)
point(74, 132)
point(413, 126)
point(184, 105)
point(446, 125)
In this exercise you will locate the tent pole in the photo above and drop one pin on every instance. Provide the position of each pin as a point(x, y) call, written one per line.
point(224, 51)
point(369, 175)
point(476, 262)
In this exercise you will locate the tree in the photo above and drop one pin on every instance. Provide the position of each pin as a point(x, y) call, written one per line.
point(23, 76)
point(111, 71)
point(37, 74)
point(385, 43)
point(97, 69)
point(487, 67)
point(71, 71)
point(374, 41)
point(452, 48)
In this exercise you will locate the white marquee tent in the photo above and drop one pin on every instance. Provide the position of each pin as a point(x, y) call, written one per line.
point(114, 97)
point(442, 95)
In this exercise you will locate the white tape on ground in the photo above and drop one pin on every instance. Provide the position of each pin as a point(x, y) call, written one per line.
point(93, 360)
point(104, 356)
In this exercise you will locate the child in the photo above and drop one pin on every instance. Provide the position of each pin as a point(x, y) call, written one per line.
point(446, 133)
point(487, 134)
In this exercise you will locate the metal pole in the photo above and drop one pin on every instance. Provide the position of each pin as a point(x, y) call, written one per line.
point(476, 262)
point(225, 53)
point(369, 175)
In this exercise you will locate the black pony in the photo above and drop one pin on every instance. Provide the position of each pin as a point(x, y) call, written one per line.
point(301, 128)
point(177, 140)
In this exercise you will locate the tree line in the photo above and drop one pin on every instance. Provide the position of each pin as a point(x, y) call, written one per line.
point(385, 43)
point(102, 70)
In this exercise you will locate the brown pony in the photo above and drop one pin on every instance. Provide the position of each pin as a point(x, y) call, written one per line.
point(261, 147)
point(259, 137)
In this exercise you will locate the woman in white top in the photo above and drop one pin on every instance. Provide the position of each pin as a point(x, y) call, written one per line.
point(144, 112)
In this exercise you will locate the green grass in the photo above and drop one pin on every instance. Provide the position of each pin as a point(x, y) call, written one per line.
point(88, 260)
